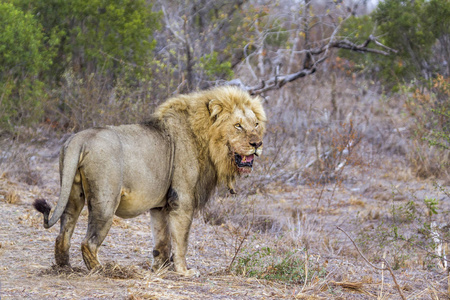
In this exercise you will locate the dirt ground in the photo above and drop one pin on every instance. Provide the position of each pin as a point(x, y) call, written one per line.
point(299, 218)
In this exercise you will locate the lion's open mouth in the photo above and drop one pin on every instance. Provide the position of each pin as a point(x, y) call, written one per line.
point(244, 163)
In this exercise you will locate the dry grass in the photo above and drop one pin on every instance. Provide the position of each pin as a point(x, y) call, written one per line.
point(66, 271)
point(115, 271)
point(429, 162)
point(12, 197)
point(284, 206)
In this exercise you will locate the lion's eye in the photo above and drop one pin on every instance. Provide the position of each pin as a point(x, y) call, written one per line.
point(256, 125)
point(238, 126)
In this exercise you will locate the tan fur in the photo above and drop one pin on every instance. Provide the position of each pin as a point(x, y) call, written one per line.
point(169, 166)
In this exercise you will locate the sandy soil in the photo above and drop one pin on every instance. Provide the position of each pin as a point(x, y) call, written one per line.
point(357, 205)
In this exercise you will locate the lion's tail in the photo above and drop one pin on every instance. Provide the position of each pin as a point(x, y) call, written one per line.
point(43, 207)
point(69, 159)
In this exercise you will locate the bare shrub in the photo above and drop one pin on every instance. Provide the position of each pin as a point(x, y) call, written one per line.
point(413, 232)
point(84, 101)
point(238, 210)
point(292, 267)
point(429, 162)
point(96, 101)
point(335, 148)
point(12, 197)
point(428, 107)
point(302, 231)
point(18, 159)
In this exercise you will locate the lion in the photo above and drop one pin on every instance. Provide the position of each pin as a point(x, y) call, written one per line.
point(169, 165)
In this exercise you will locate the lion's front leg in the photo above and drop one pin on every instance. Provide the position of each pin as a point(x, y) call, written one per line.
point(180, 221)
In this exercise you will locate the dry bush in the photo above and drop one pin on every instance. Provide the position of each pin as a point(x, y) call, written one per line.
point(12, 197)
point(292, 267)
point(19, 156)
point(428, 107)
point(412, 232)
point(312, 139)
point(239, 210)
point(335, 148)
point(98, 100)
point(429, 161)
point(302, 231)
point(94, 101)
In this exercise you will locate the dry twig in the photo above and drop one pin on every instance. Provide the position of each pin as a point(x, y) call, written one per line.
point(375, 267)
point(237, 249)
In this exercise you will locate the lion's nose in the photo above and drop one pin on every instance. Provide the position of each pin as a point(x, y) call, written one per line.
point(256, 145)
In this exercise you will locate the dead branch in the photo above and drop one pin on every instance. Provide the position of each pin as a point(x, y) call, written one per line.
point(237, 249)
point(278, 81)
point(375, 267)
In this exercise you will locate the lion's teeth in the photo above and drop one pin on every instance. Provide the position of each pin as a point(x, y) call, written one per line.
point(244, 159)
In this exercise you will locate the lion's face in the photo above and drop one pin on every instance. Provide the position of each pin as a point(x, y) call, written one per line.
point(244, 139)
point(236, 132)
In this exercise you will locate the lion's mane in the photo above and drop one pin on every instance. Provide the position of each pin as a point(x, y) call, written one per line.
point(206, 113)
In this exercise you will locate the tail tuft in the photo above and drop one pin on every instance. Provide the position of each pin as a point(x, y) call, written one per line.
point(42, 206)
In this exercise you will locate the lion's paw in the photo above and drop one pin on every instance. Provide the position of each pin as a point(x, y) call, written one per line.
point(190, 273)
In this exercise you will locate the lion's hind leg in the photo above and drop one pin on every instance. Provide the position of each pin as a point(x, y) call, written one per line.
point(102, 203)
point(161, 238)
point(68, 221)
point(99, 223)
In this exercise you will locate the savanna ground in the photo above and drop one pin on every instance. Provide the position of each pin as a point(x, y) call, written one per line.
point(340, 154)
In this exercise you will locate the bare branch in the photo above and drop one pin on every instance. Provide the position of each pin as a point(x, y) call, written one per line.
point(247, 62)
point(278, 81)
point(375, 267)
point(359, 251)
point(363, 48)
point(169, 26)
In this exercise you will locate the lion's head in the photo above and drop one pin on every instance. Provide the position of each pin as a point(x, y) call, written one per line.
point(228, 125)
point(237, 127)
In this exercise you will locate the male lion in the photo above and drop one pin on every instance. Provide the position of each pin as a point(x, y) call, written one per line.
point(169, 165)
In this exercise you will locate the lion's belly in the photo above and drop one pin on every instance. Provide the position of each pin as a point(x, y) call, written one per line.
point(144, 187)
point(132, 204)
point(146, 172)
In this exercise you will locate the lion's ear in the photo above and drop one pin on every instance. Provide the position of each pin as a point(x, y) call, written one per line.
point(214, 107)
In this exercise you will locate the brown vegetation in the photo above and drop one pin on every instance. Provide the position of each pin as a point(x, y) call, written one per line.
point(325, 165)
point(348, 200)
